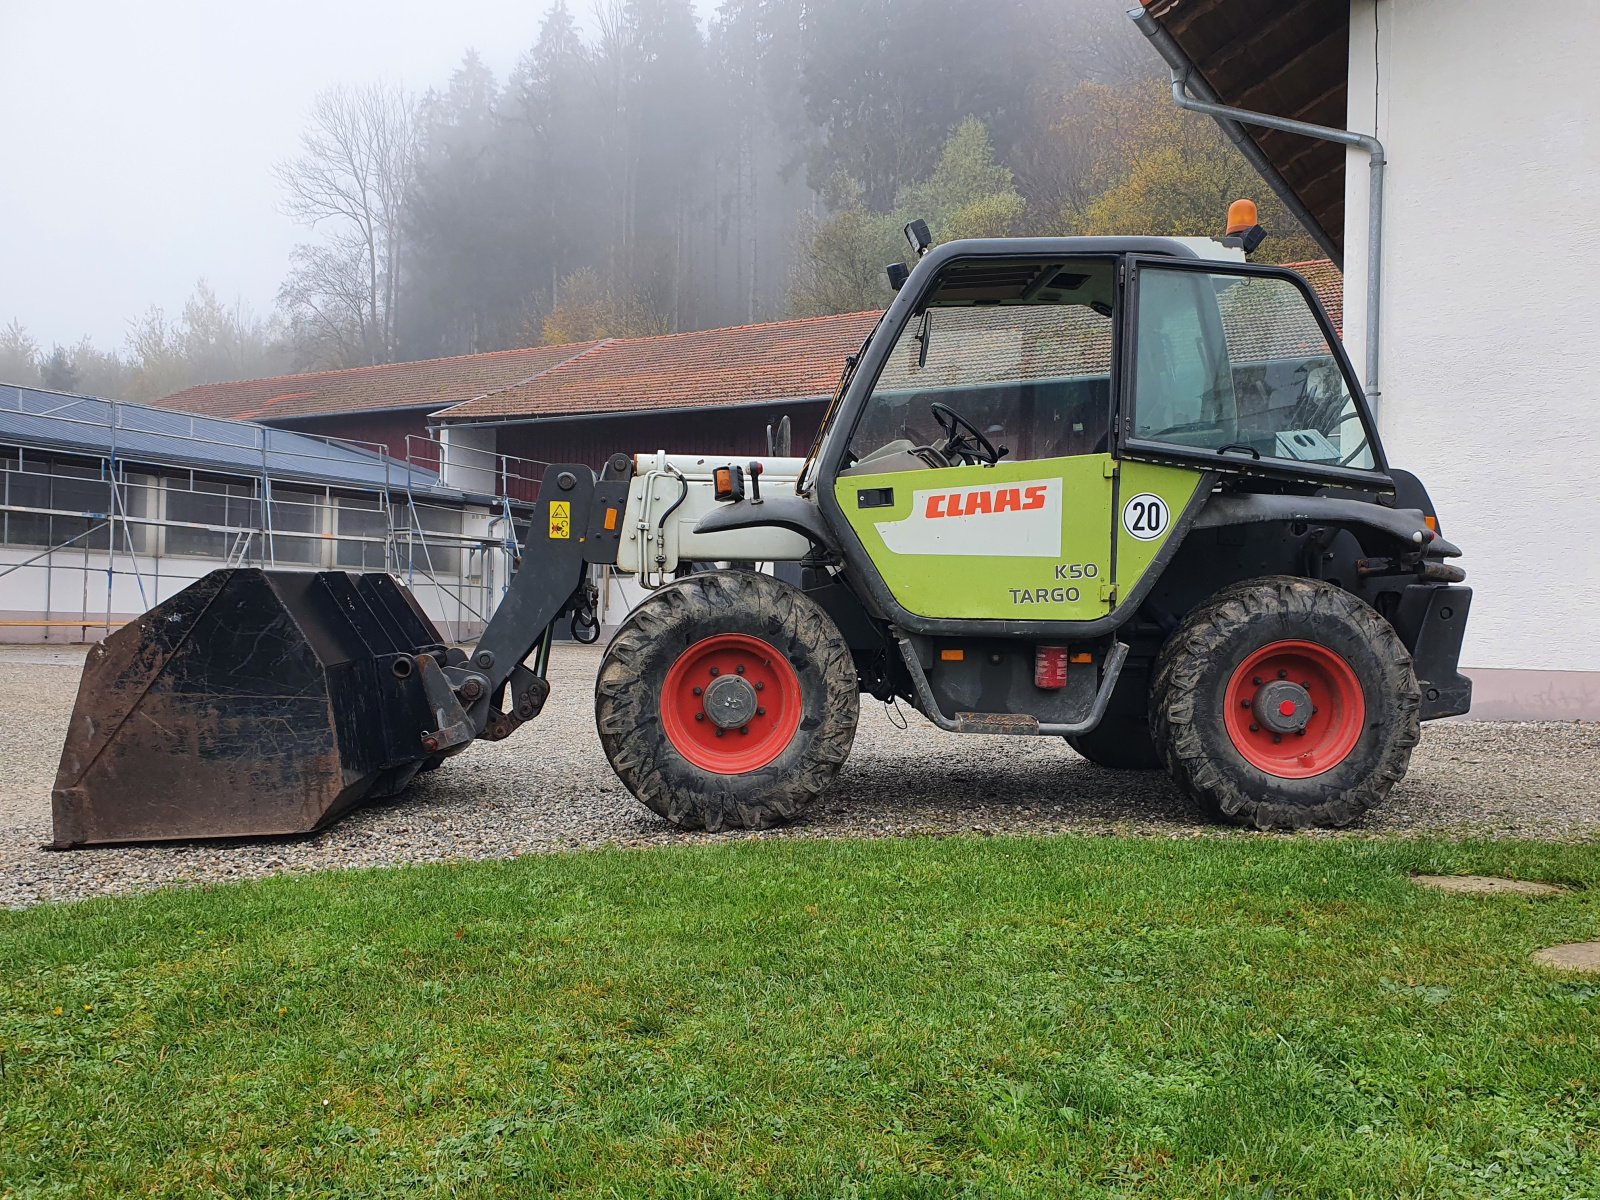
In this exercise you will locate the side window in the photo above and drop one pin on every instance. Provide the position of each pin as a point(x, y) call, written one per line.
point(1239, 363)
point(1030, 370)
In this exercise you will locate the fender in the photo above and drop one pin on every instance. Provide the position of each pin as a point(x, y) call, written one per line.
point(1404, 526)
point(794, 513)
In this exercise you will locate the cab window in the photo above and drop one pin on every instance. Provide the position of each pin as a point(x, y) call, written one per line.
point(1019, 351)
point(1238, 364)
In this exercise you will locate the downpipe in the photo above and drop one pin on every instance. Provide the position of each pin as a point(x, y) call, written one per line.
point(1190, 91)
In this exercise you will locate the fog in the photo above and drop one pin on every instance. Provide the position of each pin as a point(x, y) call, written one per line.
point(369, 181)
point(138, 138)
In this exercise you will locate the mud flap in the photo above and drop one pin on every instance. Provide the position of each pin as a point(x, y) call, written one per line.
point(252, 702)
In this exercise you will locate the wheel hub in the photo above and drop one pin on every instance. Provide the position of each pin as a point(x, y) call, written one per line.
point(730, 702)
point(1282, 707)
point(1294, 709)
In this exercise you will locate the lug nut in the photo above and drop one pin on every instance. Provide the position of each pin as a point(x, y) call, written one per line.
point(761, 712)
point(700, 717)
point(715, 671)
point(744, 729)
point(739, 670)
point(720, 732)
point(1245, 703)
point(699, 691)
point(1300, 732)
point(1276, 738)
point(1306, 683)
point(1258, 681)
point(760, 687)
point(1254, 728)
point(1282, 674)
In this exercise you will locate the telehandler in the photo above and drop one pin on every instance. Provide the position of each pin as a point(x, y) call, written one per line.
point(1121, 490)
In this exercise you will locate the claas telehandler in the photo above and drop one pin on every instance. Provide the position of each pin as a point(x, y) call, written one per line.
point(1120, 490)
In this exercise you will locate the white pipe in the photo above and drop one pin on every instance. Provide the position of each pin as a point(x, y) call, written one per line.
point(1186, 80)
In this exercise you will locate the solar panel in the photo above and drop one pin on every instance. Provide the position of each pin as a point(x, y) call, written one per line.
point(163, 437)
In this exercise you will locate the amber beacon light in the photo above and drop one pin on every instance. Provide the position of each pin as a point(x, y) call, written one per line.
point(1242, 215)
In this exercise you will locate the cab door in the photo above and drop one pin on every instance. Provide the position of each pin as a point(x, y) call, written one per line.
point(1028, 536)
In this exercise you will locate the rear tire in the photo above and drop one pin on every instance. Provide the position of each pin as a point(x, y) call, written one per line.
point(786, 676)
point(1228, 704)
point(1122, 743)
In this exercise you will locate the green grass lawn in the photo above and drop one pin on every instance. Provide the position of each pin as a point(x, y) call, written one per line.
point(1236, 1016)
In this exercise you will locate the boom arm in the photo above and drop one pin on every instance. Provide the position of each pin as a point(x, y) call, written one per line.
point(577, 521)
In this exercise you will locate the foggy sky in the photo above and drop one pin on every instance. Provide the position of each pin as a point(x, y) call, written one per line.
point(136, 140)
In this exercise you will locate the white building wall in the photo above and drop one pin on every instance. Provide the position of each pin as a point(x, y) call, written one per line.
point(1491, 315)
point(468, 459)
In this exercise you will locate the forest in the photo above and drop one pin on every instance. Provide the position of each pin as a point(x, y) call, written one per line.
point(643, 173)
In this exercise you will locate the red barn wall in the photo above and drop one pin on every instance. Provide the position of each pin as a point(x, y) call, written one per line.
point(387, 429)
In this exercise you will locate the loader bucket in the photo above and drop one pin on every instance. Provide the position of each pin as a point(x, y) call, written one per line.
point(253, 702)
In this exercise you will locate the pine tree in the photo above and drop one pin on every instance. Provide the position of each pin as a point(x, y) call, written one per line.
point(56, 373)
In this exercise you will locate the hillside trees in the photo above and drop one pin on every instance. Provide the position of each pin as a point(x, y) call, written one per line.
point(1140, 164)
point(209, 342)
point(967, 194)
point(19, 355)
point(636, 171)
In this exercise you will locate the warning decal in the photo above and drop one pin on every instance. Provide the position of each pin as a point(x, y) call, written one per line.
point(560, 518)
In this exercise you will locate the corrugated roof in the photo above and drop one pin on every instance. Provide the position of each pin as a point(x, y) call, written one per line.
point(429, 384)
point(33, 418)
point(745, 364)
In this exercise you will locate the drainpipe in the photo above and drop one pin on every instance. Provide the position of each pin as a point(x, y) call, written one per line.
point(1187, 84)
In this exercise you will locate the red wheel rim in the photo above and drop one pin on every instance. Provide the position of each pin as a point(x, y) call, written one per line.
point(1294, 709)
point(731, 677)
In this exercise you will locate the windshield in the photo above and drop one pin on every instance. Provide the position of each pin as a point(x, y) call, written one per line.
point(1018, 352)
point(1238, 364)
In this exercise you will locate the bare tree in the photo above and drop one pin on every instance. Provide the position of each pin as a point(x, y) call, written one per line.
point(350, 180)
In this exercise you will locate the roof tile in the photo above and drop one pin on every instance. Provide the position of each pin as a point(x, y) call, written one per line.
point(778, 360)
point(774, 361)
point(432, 383)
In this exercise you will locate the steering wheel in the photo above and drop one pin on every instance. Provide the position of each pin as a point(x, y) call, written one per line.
point(958, 445)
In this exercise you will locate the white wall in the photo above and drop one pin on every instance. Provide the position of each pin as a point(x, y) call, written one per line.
point(469, 460)
point(1490, 115)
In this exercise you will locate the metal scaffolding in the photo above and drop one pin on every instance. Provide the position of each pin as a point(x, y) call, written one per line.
point(106, 509)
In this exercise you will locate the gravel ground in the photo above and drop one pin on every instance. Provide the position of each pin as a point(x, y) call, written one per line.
point(548, 787)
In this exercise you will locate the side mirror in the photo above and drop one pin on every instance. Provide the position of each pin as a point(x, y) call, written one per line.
point(918, 236)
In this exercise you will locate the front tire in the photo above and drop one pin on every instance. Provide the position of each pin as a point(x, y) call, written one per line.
point(727, 700)
point(1284, 703)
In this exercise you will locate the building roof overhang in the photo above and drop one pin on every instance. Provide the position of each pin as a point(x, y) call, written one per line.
point(1288, 58)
